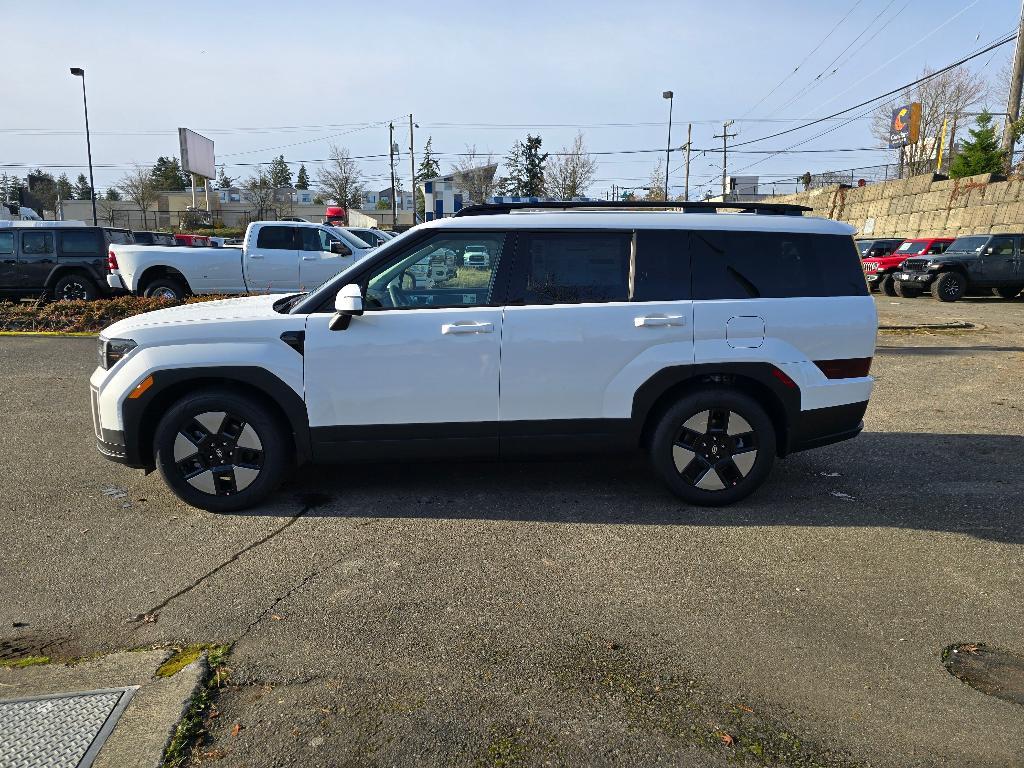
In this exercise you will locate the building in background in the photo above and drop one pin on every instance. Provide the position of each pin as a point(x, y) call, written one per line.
point(372, 199)
point(445, 195)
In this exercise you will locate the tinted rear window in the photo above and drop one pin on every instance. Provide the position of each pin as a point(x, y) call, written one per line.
point(281, 238)
point(662, 265)
point(750, 265)
point(83, 242)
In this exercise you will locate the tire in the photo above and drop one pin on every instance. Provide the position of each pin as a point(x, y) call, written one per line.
point(221, 451)
point(1010, 292)
point(75, 286)
point(170, 288)
point(698, 439)
point(906, 291)
point(949, 286)
point(887, 285)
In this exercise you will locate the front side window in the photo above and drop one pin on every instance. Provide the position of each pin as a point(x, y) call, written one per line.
point(80, 243)
point(1002, 246)
point(276, 238)
point(575, 267)
point(325, 239)
point(6, 243)
point(431, 275)
point(37, 243)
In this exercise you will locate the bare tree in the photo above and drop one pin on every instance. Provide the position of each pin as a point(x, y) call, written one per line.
point(475, 174)
point(139, 187)
point(259, 189)
point(948, 96)
point(570, 171)
point(656, 185)
point(341, 180)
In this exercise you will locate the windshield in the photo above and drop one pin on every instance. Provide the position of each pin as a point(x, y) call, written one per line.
point(912, 246)
point(967, 245)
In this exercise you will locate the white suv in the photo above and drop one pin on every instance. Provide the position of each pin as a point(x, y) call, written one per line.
point(712, 341)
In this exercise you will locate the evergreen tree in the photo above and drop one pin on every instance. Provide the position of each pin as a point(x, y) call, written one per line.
point(302, 180)
point(280, 174)
point(223, 180)
point(980, 153)
point(64, 189)
point(42, 189)
point(525, 167)
point(82, 189)
point(429, 167)
point(112, 194)
point(168, 176)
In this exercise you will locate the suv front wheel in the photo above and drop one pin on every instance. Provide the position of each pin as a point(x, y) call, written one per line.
point(221, 451)
point(949, 286)
point(714, 447)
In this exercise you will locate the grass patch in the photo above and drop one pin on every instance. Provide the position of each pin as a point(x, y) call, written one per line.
point(79, 317)
point(25, 661)
point(181, 749)
point(184, 656)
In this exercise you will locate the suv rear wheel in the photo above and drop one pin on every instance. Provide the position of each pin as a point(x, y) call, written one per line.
point(1007, 292)
point(949, 286)
point(75, 287)
point(714, 447)
point(221, 451)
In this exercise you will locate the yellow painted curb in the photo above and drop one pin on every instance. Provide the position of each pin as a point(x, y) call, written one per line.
point(66, 334)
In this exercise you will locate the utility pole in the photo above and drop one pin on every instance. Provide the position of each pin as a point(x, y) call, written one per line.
point(391, 156)
point(1013, 99)
point(80, 72)
point(725, 154)
point(689, 143)
point(412, 168)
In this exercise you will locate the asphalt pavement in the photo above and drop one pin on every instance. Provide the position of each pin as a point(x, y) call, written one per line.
point(559, 613)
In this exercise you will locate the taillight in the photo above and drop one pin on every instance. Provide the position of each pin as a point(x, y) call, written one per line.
point(111, 261)
point(850, 368)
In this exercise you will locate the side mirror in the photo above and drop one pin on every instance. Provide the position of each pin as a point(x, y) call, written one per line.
point(990, 250)
point(340, 249)
point(347, 303)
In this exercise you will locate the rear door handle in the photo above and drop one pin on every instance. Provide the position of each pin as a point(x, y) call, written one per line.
point(310, 258)
point(457, 328)
point(654, 321)
point(255, 256)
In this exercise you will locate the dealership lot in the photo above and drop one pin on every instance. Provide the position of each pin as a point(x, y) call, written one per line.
point(560, 613)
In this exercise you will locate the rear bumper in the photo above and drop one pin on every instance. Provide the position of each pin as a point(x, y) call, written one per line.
point(824, 426)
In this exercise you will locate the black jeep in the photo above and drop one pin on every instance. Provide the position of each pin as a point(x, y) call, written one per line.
point(970, 263)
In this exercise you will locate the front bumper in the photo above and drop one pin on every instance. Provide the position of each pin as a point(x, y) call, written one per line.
point(915, 278)
point(111, 442)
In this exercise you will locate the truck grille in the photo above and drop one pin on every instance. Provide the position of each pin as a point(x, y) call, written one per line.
point(915, 265)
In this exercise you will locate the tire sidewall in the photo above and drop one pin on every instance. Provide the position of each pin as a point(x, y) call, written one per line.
point(171, 284)
point(88, 287)
point(671, 422)
point(945, 280)
point(887, 285)
point(271, 432)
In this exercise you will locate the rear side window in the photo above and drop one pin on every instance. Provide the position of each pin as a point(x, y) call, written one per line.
point(662, 271)
point(81, 243)
point(280, 238)
point(574, 267)
point(752, 265)
point(6, 243)
point(37, 243)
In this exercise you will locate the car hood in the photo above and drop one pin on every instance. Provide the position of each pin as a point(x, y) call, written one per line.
point(245, 308)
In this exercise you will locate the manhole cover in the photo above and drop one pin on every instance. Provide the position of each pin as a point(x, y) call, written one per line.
point(59, 731)
point(989, 670)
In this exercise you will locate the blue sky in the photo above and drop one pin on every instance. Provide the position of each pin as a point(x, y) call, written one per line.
point(471, 73)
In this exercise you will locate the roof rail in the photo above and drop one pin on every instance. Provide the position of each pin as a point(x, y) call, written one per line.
point(486, 209)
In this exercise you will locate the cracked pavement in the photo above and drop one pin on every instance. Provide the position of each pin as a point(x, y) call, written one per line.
point(559, 612)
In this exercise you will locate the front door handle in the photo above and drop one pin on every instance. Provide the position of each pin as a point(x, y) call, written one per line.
point(657, 321)
point(255, 256)
point(310, 258)
point(457, 328)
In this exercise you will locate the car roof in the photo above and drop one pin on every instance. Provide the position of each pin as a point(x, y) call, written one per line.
point(645, 220)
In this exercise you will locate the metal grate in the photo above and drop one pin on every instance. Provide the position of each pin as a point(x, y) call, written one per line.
point(59, 731)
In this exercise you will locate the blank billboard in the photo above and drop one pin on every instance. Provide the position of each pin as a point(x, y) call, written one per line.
point(196, 154)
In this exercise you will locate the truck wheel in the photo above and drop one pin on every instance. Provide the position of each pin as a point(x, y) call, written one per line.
point(905, 291)
point(169, 288)
point(75, 286)
point(221, 451)
point(949, 286)
point(887, 285)
point(1007, 292)
point(713, 447)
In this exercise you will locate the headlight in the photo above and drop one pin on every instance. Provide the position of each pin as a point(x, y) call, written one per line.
point(112, 350)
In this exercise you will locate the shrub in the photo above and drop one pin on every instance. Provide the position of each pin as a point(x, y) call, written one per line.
point(80, 316)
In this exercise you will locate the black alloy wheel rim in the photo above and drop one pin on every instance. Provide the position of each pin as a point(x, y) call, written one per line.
point(715, 449)
point(952, 288)
point(218, 453)
point(73, 291)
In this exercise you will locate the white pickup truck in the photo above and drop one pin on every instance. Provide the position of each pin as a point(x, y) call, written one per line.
point(275, 257)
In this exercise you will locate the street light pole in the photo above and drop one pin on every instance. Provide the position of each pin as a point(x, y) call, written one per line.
point(668, 147)
point(79, 72)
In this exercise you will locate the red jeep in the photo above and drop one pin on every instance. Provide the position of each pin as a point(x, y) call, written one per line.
point(879, 270)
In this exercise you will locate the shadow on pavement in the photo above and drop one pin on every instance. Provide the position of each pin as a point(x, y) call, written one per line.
point(969, 484)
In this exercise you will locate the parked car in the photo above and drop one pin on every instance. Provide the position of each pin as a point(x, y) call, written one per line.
point(476, 256)
point(275, 257)
point(192, 241)
point(713, 342)
point(155, 238)
point(60, 260)
point(971, 263)
point(880, 271)
point(873, 247)
point(295, 218)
